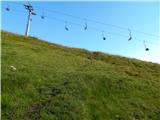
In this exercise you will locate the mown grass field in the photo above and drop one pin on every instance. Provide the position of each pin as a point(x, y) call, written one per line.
point(53, 82)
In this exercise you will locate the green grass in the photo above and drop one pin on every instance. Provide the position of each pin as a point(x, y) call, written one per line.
point(53, 82)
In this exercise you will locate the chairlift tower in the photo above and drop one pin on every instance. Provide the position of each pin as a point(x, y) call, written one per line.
point(30, 12)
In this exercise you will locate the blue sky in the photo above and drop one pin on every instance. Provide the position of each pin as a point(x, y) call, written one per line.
point(141, 16)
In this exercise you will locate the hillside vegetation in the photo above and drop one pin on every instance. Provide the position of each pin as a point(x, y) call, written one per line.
point(45, 81)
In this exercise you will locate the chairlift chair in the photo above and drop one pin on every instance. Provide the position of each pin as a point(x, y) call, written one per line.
point(130, 35)
point(146, 48)
point(130, 38)
point(7, 9)
point(85, 27)
point(66, 28)
point(42, 17)
point(104, 38)
point(85, 24)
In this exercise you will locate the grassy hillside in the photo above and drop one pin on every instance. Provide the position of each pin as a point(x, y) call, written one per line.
point(44, 81)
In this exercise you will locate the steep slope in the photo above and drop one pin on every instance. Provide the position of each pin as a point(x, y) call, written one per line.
point(44, 81)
